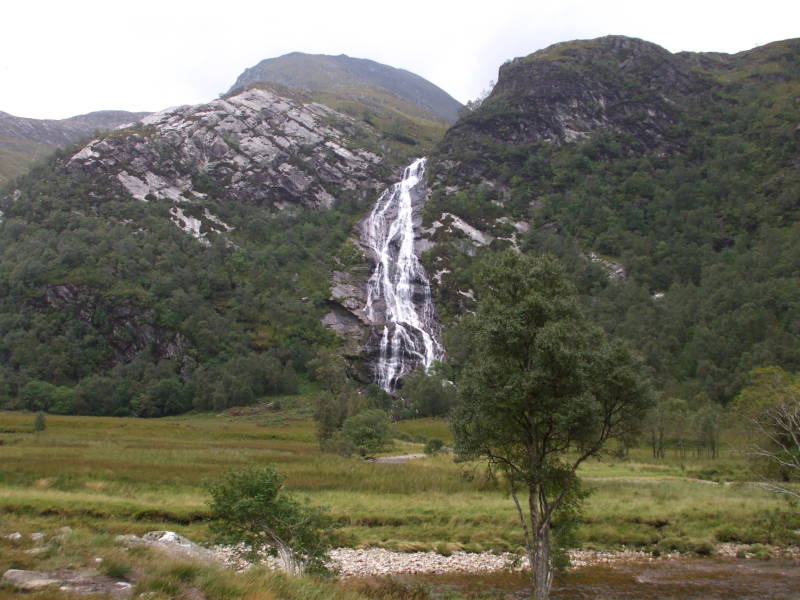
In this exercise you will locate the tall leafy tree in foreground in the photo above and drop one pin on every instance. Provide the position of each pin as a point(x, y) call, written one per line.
point(542, 392)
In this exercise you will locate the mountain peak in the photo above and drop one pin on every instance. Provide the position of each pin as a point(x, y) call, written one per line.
point(372, 83)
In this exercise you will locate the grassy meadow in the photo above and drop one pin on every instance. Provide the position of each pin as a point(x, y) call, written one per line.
point(123, 475)
point(105, 476)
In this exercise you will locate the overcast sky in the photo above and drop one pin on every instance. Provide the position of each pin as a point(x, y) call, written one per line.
point(62, 58)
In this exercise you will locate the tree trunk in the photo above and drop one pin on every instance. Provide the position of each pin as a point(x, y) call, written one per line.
point(539, 553)
point(287, 557)
point(541, 569)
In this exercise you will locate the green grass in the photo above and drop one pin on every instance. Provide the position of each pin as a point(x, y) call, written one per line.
point(113, 475)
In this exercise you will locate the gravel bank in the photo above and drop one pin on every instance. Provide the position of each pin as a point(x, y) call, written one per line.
point(370, 562)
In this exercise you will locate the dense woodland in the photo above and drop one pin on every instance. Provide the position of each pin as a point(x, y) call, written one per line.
point(155, 323)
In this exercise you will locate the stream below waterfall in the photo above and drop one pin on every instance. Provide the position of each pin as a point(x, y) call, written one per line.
point(399, 299)
point(674, 579)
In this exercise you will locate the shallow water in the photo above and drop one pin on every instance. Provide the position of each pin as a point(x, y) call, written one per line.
point(679, 579)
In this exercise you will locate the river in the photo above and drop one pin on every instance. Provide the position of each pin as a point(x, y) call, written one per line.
point(679, 579)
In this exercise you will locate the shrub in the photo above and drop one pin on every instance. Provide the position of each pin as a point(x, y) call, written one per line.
point(433, 446)
point(368, 431)
point(39, 422)
point(251, 507)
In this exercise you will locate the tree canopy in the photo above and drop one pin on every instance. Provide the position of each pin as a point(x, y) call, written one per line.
point(542, 391)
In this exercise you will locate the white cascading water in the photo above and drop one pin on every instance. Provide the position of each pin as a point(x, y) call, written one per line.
point(398, 292)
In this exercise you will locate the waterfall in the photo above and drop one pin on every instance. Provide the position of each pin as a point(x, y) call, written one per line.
point(398, 291)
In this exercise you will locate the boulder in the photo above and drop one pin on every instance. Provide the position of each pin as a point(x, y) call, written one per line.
point(29, 581)
point(171, 544)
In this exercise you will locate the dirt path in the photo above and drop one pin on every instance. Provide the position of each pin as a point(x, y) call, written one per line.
point(398, 459)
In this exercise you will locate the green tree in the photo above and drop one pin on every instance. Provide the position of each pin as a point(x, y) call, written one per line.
point(251, 507)
point(770, 408)
point(542, 392)
point(429, 394)
point(37, 395)
point(63, 401)
point(656, 426)
point(707, 424)
point(329, 369)
point(368, 431)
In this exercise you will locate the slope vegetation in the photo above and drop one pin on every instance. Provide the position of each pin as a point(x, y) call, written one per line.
point(669, 183)
point(408, 109)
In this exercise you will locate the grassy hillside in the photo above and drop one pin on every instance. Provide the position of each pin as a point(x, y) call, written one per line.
point(411, 113)
point(371, 82)
point(16, 156)
point(25, 141)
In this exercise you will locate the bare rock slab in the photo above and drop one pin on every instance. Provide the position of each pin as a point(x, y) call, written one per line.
point(29, 581)
point(81, 582)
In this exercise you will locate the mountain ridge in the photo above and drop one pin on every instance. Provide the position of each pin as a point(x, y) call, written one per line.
point(24, 140)
point(339, 73)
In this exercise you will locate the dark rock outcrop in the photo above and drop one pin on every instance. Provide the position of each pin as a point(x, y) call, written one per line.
point(127, 327)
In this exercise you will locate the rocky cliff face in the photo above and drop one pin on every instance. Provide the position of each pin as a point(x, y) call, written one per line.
point(569, 91)
point(255, 147)
point(129, 329)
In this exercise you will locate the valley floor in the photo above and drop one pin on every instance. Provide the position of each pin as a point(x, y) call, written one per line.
point(108, 476)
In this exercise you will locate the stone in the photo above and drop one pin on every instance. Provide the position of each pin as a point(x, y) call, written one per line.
point(29, 581)
point(171, 544)
point(37, 536)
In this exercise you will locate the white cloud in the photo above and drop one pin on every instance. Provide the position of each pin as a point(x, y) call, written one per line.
point(63, 58)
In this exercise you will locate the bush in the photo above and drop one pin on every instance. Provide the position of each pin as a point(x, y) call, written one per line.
point(428, 394)
point(39, 423)
point(434, 446)
point(339, 444)
point(252, 508)
point(368, 431)
point(37, 395)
